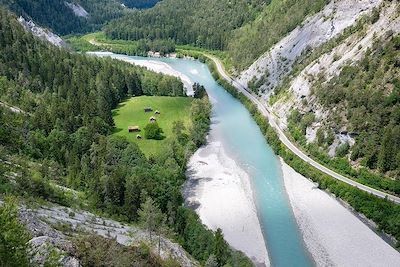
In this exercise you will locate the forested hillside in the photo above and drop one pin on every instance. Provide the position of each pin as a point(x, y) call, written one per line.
point(275, 22)
point(366, 97)
point(59, 136)
point(204, 23)
point(339, 100)
point(244, 28)
point(61, 18)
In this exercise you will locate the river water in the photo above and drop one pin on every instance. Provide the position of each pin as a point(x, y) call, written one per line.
point(244, 142)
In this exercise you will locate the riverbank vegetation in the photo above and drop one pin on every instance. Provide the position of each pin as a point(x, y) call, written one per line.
point(97, 41)
point(61, 138)
point(381, 211)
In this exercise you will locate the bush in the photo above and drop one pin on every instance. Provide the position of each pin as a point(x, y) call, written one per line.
point(153, 131)
point(342, 150)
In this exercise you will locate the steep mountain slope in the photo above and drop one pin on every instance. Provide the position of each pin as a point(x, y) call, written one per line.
point(335, 89)
point(65, 17)
point(274, 65)
point(62, 229)
point(277, 19)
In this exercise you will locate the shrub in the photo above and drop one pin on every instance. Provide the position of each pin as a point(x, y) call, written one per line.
point(153, 131)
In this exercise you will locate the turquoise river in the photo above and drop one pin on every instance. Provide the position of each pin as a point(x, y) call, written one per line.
point(247, 146)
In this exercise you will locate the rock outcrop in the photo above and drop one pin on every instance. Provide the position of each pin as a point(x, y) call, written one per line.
point(78, 10)
point(44, 221)
point(42, 33)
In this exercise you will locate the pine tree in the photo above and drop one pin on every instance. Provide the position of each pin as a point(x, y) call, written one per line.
point(221, 248)
point(150, 216)
point(13, 237)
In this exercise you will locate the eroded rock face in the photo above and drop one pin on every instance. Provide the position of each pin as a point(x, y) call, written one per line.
point(47, 244)
point(42, 33)
point(316, 30)
point(78, 10)
point(328, 65)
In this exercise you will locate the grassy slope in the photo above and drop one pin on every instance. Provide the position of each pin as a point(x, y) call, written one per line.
point(131, 113)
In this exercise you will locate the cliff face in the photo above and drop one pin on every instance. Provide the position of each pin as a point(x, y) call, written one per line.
point(313, 54)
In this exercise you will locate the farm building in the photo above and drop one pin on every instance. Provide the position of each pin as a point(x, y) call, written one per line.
point(133, 129)
point(152, 119)
point(157, 112)
point(138, 136)
point(148, 109)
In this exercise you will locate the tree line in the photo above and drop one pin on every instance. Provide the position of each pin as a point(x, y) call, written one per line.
point(203, 23)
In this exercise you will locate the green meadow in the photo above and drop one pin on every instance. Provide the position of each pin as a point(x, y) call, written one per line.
point(131, 113)
point(99, 41)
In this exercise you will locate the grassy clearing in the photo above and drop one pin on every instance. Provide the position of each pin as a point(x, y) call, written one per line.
point(131, 113)
point(98, 41)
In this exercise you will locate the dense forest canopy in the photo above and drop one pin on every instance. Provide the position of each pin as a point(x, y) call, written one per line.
point(204, 23)
point(59, 135)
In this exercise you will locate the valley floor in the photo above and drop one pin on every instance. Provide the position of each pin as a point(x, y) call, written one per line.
point(333, 235)
point(220, 192)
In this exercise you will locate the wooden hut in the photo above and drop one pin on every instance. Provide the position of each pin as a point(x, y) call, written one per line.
point(157, 112)
point(132, 129)
point(138, 136)
point(153, 119)
point(148, 109)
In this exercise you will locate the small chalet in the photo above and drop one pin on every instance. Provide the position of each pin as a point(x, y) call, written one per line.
point(152, 119)
point(138, 136)
point(148, 109)
point(132, 129)
point(157, 112)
